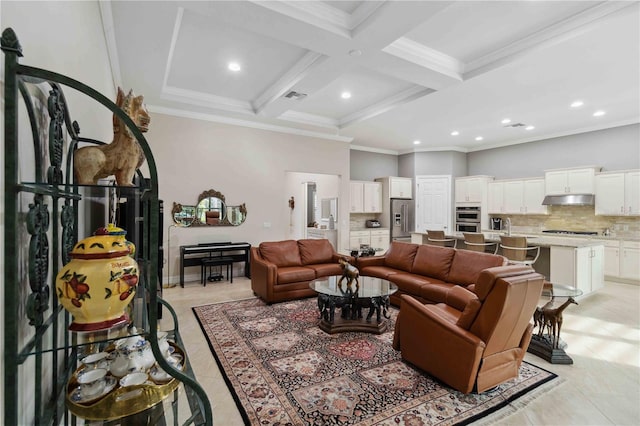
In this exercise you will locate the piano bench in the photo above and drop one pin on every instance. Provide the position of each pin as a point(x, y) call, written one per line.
point(210, 262)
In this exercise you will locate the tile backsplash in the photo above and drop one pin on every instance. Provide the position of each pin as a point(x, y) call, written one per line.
point(577, 218)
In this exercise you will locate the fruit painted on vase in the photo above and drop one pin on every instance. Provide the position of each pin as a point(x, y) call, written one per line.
point(100, 281)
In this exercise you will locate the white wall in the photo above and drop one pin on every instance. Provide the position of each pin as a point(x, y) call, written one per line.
point(65, 37)
point(246, 165)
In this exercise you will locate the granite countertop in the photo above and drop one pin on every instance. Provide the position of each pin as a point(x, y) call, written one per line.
point(546, 240)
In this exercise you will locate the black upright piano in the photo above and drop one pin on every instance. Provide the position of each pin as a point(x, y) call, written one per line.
point(192, 255)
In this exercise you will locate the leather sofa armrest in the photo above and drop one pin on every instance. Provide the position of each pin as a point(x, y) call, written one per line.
point(263, 275)
point(362, 262)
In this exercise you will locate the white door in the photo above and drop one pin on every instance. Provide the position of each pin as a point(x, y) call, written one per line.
point(433, 203)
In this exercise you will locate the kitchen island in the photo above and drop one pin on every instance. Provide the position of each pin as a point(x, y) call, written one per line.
point(573, 261)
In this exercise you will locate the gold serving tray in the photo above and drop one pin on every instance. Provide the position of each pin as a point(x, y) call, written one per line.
point(122, 401)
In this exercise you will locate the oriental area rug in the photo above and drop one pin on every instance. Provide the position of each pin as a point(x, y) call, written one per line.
point(283, 370)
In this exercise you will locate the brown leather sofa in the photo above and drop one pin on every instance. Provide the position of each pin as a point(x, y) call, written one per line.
point(427, 272)
point(472, 341)
point(282, 270)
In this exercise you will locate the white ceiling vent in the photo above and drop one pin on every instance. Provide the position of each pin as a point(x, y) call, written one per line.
point(295, 95)
point(515, 125)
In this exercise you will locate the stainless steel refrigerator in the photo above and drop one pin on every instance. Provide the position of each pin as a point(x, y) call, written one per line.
point(402, 219)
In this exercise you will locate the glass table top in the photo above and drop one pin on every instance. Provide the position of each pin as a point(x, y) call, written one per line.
point(369, 286)
point(561, 290)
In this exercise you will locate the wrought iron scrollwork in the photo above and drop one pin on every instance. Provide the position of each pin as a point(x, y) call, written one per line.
point(68, 234)
point(37, 226)
point(56, 140)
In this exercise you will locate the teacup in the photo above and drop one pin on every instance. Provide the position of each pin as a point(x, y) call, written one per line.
point(133, 379)
point(96, 360)
point(92, 382)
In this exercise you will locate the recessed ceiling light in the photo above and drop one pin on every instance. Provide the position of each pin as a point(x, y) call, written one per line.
point(529, 128)
point(234, 66)
point(577, 104)
point(599, 113)
point(455, 133)
point(506, 121)
point(345, 95)
point(416, 142)
point(479, 138)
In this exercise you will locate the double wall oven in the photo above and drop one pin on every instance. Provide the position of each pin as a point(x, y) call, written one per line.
point(468, 219)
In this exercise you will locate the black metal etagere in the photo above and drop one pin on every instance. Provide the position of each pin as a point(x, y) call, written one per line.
point(42, 211)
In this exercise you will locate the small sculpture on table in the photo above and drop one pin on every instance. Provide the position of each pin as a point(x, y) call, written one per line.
point(551, 319)
point(351, 273)
point(123, 156)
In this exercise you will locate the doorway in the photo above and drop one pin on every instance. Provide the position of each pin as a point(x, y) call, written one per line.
point(433, 203)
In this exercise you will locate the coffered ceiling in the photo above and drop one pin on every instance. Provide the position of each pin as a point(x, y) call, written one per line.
point(416, 70)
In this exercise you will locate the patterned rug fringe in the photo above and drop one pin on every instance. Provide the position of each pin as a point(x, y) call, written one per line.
point(515, 406)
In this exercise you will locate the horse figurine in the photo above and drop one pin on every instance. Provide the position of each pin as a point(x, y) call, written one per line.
point(349, 272)
point(552, 317)
point(123, 156)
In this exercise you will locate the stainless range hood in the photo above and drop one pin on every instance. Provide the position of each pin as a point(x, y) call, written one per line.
point(569, 200)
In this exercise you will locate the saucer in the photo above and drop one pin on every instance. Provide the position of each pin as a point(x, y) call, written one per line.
point(132, 379)
point(78, 398)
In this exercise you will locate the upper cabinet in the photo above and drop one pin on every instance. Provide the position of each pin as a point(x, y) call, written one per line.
point(618, 194)
point(366, 197)
point(570, 181)
point(400, 187)
point(472, 189)
point(516, 197)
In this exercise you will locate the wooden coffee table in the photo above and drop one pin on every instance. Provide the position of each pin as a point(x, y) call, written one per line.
point(372, 298)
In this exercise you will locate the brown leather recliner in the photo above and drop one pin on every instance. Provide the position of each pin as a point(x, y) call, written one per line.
point(473, 341)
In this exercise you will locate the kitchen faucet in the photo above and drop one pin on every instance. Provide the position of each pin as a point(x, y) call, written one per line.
point(507, 224)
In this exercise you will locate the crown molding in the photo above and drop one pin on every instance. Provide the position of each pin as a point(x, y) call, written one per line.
point(375, 150)
point(106, 15)
point(288, 80)
point(172, 46)
point(385, 105)
point(312, 119)
point(191, 97)
point(245, 123)
point(553, 34)
point(422, 55)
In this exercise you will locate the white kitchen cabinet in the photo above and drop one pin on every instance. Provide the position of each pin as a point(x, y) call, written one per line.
point(472, 189)
point(517, 197)
point(580, 267)
point(356, 197)
point(618, 194)
point(372, 197)
point(570, 181)
point(612, 258)
point(380, 239)
point(533, 196)
point(630, 260)
point(365, 197)
point(495, 203)
point(319, 234)
point(400, 187)
point(359, 238)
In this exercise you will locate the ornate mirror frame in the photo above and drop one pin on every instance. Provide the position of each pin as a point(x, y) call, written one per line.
point(211, 209)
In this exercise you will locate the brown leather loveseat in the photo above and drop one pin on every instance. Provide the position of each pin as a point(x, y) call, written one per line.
point(473, 341)
point(282, 270)
point(427, 272)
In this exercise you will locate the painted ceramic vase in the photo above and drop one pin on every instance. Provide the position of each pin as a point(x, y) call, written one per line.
point(99, 282)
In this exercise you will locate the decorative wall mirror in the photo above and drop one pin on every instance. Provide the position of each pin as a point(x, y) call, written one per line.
point(211, 209)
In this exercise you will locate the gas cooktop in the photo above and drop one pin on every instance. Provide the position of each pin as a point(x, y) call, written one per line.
point(561, 231)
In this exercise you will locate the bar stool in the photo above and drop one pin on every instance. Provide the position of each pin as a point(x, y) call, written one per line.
point(437, 238)
point(219, 261)
point(516, 250)
point(474, 241)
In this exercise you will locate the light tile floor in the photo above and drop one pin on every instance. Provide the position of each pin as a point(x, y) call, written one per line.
point(602, 387)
